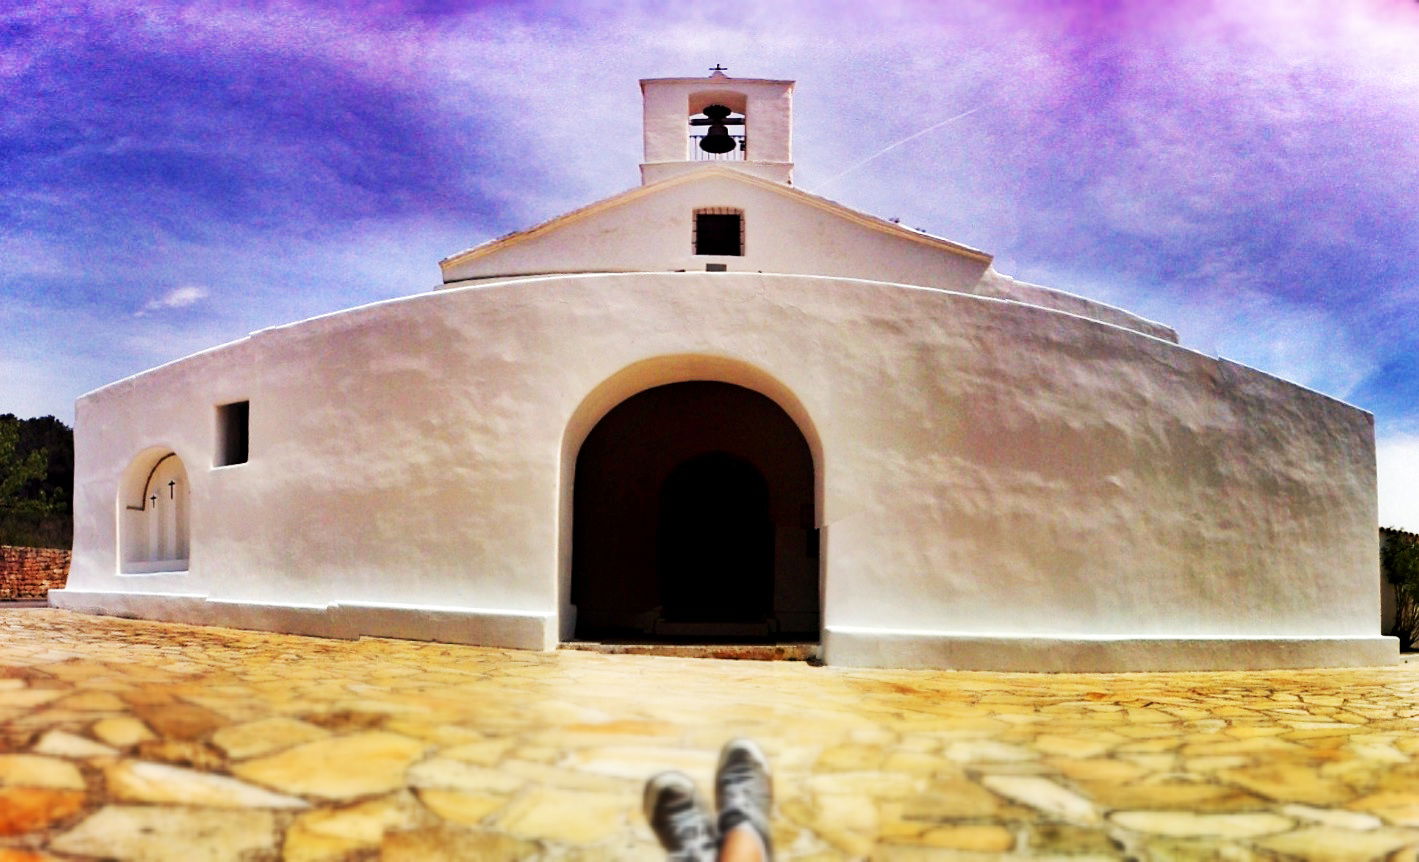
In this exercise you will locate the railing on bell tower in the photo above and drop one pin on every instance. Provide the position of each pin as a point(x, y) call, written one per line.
point(738, 154)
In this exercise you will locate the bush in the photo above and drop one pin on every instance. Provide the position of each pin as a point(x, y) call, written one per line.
point(1399, 561)
point(36, 482)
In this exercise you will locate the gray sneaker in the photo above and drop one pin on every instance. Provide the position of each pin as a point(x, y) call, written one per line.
point(678, 817)
point(743, 791)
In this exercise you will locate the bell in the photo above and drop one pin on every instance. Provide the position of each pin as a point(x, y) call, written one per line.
point(717, 140)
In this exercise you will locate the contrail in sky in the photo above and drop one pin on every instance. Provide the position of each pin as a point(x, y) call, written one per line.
point(895, 144)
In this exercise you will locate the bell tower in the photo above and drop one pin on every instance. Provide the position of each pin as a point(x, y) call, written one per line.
point(743, 123)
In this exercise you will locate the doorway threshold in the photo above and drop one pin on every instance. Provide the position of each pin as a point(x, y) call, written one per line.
point(807, 651)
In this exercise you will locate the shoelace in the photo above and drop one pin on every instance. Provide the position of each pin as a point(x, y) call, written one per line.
point(741, 788)
point(689, 827)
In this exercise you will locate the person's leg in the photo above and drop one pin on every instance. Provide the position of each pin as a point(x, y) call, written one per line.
point(679, 819)
point(743, 844)
point(743, 793)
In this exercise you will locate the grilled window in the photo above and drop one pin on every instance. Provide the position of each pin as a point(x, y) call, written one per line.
point(719, 230)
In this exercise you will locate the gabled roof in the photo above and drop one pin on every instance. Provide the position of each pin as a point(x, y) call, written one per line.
point(714, 80)
point(719, 172)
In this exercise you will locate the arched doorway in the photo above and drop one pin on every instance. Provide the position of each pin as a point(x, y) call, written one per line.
point(693, 519)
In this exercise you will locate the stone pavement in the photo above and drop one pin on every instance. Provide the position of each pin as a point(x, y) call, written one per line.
point(138, 740)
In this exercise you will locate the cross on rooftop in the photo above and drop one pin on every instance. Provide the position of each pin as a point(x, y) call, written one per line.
point(718, 68)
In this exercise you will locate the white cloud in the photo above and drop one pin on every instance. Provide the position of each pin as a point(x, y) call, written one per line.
point(178, 297)
point(1398, 461)
point(1302, 342)
point(1296, 340)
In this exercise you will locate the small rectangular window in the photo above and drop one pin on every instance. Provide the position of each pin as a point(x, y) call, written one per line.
point(719, 233)
point(233, 432)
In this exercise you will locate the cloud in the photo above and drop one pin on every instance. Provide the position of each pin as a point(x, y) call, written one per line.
point(178, 297)
point(1398, 460)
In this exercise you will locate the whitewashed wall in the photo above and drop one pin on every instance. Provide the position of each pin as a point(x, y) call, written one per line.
point(650, 230)
point(767, 106)
point(1000, 485)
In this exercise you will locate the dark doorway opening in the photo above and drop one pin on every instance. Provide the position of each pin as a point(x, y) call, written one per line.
point(715, 542)
point(693, 521)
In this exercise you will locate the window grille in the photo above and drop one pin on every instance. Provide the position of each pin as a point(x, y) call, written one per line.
point(718, 230)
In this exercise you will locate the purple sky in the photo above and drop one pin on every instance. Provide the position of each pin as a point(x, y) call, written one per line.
point(173, 176)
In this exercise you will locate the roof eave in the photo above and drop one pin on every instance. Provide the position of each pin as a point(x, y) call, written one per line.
point(625, 197)
point(725, 79)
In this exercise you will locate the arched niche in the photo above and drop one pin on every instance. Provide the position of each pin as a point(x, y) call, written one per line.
point(787, 460)
point(734, 124)
point(154, 514)
point(734, 100)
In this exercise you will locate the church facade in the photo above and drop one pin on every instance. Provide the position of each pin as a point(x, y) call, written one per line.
point(717, 406)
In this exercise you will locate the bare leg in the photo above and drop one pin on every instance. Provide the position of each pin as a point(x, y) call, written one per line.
point(742, 844)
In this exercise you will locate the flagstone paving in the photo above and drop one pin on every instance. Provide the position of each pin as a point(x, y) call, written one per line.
point(139, 740)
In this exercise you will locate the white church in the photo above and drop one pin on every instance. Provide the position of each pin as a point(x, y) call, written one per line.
point(716, 406)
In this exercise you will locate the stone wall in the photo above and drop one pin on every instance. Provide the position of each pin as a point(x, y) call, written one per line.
point(30, 573)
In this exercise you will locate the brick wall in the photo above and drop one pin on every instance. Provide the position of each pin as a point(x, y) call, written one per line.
point(30, 573)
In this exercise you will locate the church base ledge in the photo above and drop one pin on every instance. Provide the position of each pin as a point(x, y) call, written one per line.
point(349, 620)
point(846, 646)
point(851, 646)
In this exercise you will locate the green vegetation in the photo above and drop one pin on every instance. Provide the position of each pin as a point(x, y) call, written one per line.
point(1399, 560)
point(36, 482)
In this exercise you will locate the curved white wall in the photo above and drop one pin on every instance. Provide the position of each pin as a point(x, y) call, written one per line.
point(1001, 485)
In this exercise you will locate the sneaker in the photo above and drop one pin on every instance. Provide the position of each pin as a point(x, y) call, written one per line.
point(743, 791)
point(678, 817)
